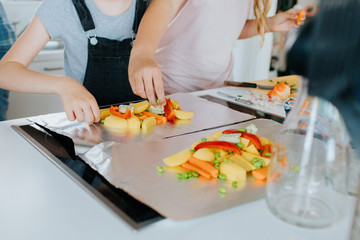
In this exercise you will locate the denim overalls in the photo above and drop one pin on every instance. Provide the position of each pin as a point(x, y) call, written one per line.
point(106, 76)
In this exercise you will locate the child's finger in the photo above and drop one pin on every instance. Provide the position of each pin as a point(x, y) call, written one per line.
point(95, 110)
point(78, 113)
point(89, 116)
point(70, 114)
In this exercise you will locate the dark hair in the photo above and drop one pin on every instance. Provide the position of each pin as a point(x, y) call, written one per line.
point(327, 52)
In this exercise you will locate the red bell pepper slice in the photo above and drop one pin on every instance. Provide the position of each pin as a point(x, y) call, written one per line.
point(230, 131)
point(253, 138)
point(168, 110)
point(115, 111)
point(227, 146)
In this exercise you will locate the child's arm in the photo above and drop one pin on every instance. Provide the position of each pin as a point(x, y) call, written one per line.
point(281, 22)
point(15, 76)
point(144, 73)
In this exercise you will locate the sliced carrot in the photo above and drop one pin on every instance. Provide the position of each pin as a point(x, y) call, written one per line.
point(159, 119)
point(300, 16)
point(267, 148)
point(142, 117)
point(204, 166)
point(261, 173)
point(191, 167)
point(207, 179)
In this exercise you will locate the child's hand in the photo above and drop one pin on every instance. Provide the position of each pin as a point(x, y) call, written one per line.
point(78, 102)
point(145, 79)
point(284, 21)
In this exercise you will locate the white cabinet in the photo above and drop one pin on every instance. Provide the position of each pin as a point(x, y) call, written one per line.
point(25, 105)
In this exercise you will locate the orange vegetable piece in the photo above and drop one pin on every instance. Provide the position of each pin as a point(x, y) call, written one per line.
point(259, 182)
point(300, 16)
point(261, 173)
point(204, 166)
point(191, 167)
point(159, 119)
point(280, 90)
point(115, 111)
point(142, 117)
point(267, 148)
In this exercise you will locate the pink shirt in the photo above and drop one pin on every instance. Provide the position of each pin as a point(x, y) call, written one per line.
point(196, 51)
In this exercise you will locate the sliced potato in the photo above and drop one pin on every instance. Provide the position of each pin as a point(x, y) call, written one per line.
point(238, 159)
point(249, 157)
point(245, 142)
point(104, 113)
point(148, 124)
point(140, 106)
point(252, 149)
point(205, 154)
point(115, 122)
point(217, 135)
point(133, 122)
point(233, 172)
point(175, 104)
point(178, 158)
point(194, 145)
point(183, 115)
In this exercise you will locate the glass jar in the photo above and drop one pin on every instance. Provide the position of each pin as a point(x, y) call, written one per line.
point(307, 172)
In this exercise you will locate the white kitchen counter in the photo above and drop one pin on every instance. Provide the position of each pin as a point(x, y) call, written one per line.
point(38, 201)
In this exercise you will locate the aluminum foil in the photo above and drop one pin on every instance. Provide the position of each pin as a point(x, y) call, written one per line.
point(132, 167)
point(206, 115)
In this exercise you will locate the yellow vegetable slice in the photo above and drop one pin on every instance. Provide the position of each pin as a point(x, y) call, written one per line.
point(140, 106)
point(175, 104)
point(249, 157)
point(205, 154)
point(133, 122)
point(104, 113)
point(183, 115)
point(252, 149)
point(148, 124)
point(235, 158)
point(115, 122)
point(178, 158)
point(233, 172)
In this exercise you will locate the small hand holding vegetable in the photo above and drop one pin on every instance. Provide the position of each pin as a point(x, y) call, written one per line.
point(78, 103)
point(284, 21)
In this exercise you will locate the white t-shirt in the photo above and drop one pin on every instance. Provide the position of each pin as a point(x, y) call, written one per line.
point(62, 22)
point(196, 51)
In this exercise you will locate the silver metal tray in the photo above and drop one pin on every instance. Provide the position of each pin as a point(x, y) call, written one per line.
point(207, 115)
point(132, 167)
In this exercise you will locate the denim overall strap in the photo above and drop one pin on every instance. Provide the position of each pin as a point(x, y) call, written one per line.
point(106, 76)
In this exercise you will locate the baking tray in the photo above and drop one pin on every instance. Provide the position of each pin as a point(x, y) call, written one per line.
point(207, 115)
point(132, 168)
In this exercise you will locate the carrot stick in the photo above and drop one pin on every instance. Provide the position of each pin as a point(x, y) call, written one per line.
point(204, 166)
point(300, 16)
point(267, 148)
point(142, 117)
point(261, 173)
point(159, 119)
point(206, 179)
point(196, 169)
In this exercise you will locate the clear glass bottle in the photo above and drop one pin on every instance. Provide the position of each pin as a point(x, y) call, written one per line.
point(307, 173)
